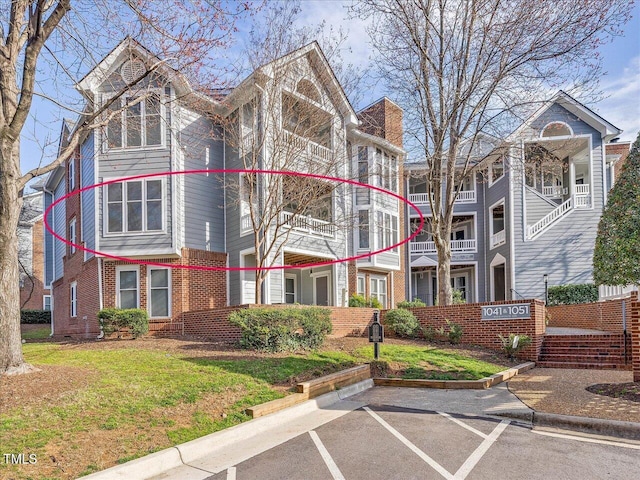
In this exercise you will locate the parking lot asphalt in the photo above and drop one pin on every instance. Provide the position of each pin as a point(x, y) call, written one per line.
point(400, 433)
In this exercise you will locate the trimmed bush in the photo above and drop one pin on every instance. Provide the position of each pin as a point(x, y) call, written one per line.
point(282, 329)
point(119, 320)
point(361, 301)
point(402, 322)
point(570, 294)
point(35, 316)
point(455, 332)
point(416, 303)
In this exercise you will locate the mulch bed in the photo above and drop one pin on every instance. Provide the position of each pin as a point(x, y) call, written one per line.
point(626, 391)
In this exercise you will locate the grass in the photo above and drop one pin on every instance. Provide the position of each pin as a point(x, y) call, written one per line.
point(417, 362)
point(37, 334)
point(144, 400)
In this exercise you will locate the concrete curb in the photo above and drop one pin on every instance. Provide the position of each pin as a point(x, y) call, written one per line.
point(480, 384)
point(173, 457)
point(593, 426)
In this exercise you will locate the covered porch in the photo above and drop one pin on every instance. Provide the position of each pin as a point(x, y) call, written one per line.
point(424, 282)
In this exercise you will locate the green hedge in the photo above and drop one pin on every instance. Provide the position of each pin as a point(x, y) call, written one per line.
point(415, 303)
point(135, 320)
point(35, 316)
point(402, 322)
point(360, 301)
point(570, 294)
point(282, 329)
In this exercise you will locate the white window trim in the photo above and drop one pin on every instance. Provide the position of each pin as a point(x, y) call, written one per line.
point(73, 235)
point(368, 248)
point(44, 297)
point(73, 300)
point(290, 276)
point(491, 232)
point(169, 287)
point(144, 231)
point(127, 268)
point(72, 174)
point(364, 285)
point(504, 169)
point(123, 133)
point(378, 279)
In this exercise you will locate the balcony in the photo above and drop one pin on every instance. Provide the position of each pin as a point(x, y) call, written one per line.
point(555, 191)
point(305, 146)
point(498, 239)
point(464, 196)
point(308, 225)
point(457, 246)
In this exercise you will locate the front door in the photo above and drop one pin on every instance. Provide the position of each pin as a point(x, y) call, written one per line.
point(321, 290)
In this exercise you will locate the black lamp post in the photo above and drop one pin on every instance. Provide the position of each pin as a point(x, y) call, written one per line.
point(546, 288)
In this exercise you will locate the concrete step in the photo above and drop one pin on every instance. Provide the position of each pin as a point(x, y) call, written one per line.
point(582, 358)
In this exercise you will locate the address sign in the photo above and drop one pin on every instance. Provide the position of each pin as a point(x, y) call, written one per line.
point(506, 312)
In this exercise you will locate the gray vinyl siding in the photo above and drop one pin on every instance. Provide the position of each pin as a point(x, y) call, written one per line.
point(537, 206)
point(565, 250)
point(203, 194)
point(49, 256)
point(494, 193)
point(130, 162)
point(60, 227)
point(88, 197)
point(235, 242)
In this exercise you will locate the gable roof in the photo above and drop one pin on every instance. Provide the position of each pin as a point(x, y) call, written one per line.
point(319, 60)
point(606, 129)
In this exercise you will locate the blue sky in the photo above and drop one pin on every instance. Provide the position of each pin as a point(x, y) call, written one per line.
point(620, 84)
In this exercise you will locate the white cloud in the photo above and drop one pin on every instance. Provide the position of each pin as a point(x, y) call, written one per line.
point(622, 103)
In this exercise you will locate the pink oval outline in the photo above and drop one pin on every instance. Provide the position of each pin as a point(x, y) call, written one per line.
point(226, 171)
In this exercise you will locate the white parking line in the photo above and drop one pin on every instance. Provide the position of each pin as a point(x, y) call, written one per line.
point(462, 424)
point(331, 465)
point(587, 439)
point(231, 473)
point(479, 452)
point(435, 465)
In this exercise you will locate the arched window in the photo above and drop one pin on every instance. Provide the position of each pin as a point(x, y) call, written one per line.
point(309, 90)
point(556, 129)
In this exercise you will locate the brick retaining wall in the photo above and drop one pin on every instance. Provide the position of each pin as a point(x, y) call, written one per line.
point(485, 332)
point(605, 316)
point(635, 334)
point(347, 321)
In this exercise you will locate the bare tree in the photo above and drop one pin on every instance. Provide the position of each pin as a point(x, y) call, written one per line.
point(464, 69)
point(53, 44)
point(282, 126)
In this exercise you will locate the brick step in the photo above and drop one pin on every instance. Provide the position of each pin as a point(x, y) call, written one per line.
point(582, 358)
point(615, 337)
point(590, 366)
point(584, 350)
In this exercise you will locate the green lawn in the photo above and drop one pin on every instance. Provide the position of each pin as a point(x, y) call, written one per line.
point(134, 401)
point(37, 334)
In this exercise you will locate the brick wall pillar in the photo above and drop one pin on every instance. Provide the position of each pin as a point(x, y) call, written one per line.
point(635, 335)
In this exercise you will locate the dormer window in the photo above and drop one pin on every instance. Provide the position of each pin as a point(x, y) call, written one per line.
point(136, 122)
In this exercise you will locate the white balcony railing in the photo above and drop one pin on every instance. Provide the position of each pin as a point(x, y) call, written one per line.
point(464, 196)
point(308, 225)
point(581, 189)
point(457, 246)
point(555, 191)
point(582, 201)
point(499, 238)
point(306, 146)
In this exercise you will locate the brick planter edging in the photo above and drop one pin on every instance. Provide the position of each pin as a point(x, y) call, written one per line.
point(480, 384)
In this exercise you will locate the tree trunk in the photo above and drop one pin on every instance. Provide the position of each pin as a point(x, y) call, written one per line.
point(445, 296)
point(11, 359)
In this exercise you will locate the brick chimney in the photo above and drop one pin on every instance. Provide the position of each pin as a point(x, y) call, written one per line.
point(383, 119)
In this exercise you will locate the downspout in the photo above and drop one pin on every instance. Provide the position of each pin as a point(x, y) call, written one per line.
point(224, 210)
point(100, 301)
point(54, 260)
